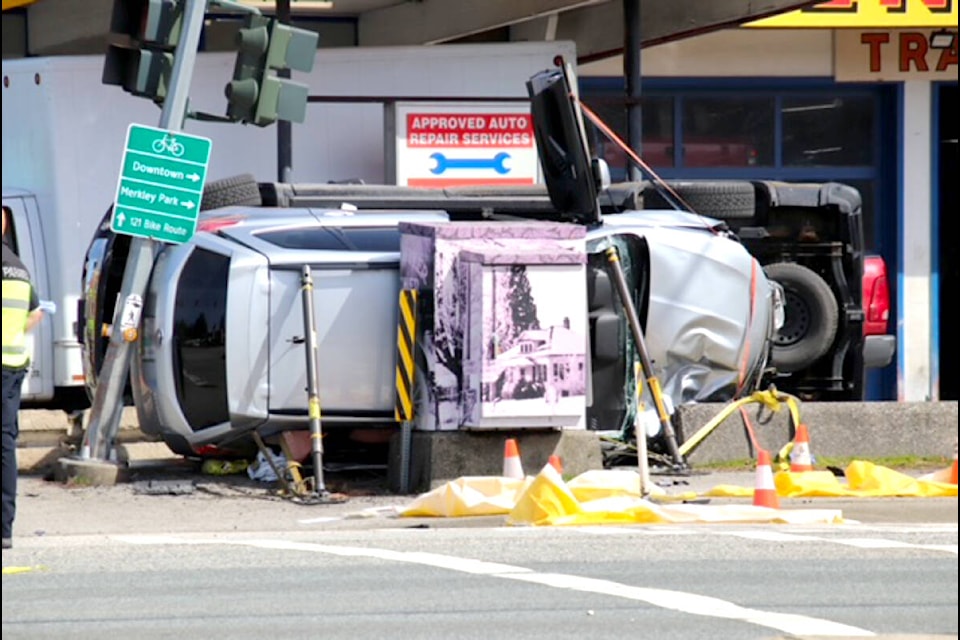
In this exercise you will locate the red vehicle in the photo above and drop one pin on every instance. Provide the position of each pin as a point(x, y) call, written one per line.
point(697, 153)
point(878, 347)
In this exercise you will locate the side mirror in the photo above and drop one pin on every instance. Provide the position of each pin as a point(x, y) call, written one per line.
point(601, 172)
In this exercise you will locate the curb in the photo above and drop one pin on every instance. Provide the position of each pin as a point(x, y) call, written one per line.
point(866, 430)
point(46, 436)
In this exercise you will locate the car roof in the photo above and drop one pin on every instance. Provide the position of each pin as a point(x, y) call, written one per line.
point(264, 217)
point(303, 235)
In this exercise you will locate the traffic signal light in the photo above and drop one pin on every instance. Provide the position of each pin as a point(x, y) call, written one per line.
point(140, 72)
point(257, 95)
point(146, 33)
point(253, 39)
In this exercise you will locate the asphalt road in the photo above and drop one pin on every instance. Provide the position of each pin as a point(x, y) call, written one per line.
point(397, 580)
point(177, 498)
point(174, 554)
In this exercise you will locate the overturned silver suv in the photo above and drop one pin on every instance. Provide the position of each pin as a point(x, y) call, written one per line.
point(221, 350)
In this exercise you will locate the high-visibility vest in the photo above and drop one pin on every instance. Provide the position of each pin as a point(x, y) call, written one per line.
point(16, 308)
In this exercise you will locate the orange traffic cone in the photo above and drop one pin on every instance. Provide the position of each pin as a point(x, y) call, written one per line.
point(764, 493)
point(800, 459)
point(953, 470)
point(511, 460)
point(556, 463)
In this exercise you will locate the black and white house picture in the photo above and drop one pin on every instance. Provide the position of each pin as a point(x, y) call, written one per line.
point(503, 341)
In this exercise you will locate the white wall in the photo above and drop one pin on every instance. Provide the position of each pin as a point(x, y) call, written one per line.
point(733, 52)
point(914, 320)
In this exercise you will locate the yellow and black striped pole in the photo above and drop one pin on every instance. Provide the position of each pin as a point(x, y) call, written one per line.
point(406, 341)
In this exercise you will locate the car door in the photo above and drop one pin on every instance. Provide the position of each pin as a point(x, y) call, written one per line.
point(355, 296)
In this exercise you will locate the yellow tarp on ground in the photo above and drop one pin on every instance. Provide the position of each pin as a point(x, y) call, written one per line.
point(548, 501)
point(613, 497)
point(597, 497)
point(468, 496)
point(863, 479)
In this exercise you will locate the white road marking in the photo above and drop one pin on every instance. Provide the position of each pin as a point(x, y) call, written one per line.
point(860, 543)
point(665, 598)
point(769, 535)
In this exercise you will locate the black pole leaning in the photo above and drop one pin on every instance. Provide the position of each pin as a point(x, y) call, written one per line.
point(653, 384)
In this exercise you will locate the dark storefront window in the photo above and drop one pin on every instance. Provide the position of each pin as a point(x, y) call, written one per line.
point(728, 132)
point(827, 131)
point(656, 113)
point(783, 129)
point(817, 135)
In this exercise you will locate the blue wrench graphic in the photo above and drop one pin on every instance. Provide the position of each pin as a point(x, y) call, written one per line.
point(495, 163)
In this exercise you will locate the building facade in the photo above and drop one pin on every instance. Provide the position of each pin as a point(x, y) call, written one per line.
point(866, 96)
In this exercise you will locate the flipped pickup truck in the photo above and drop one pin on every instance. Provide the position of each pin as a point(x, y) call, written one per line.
point(806, 238)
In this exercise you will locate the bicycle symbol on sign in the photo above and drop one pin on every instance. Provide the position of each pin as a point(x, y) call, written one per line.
point(168, 144)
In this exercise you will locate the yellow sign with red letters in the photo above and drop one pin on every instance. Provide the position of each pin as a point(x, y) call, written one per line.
point(887, 56)
point(866, 14)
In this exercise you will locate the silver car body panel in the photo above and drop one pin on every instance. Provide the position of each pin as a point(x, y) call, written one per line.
point(355, 309)
point(355, 329)
point(694, 331)
point(704, 336)
point(155, 370)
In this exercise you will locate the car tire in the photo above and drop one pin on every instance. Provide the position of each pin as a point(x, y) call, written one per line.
point(811, 317)
point(178, 445)
point(732, 200)
point(237, 190)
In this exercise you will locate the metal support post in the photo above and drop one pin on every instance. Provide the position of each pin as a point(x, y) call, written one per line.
point(98, 442)
point(284, 127)
point(643, 464)
point(320, 493)
point(631, 74)
point(408, 313)
point(653, 384)
point(313, 386)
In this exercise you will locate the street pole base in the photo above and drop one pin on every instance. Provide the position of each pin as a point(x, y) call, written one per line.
point(90, 473)
point(323, 497)
point(674, 469)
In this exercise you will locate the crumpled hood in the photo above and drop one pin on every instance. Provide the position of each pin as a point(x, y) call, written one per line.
point(695, 325)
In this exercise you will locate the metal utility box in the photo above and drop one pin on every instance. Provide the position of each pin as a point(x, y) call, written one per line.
point(503, 336)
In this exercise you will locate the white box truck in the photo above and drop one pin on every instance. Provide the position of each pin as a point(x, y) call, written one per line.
point(64, 131)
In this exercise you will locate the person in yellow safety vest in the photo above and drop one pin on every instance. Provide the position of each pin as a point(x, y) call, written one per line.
point(21, 313)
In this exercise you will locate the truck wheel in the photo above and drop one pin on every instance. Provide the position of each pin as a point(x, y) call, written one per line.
point(811, 317)
point(728, 200)
point(237, 190)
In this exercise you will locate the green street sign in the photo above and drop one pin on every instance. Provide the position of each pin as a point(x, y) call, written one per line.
point(161, 184)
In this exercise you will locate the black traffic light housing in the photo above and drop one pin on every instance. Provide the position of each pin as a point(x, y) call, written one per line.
point(256, 94)
point(243, 92)
point(145, 34)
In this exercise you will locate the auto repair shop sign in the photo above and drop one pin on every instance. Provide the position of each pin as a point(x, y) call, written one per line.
point(464, 144)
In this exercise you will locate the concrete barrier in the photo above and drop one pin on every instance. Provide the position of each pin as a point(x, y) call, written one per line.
point(837, 429)
point(840, 429)
point(47, 436)
point(437, 457)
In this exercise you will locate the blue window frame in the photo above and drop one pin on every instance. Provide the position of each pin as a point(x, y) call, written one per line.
point(741, 142)
point(754, 133)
